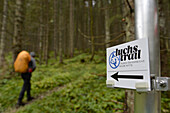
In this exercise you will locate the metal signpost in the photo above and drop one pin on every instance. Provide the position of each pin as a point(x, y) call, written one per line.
point(146, 25)
point(136, 65)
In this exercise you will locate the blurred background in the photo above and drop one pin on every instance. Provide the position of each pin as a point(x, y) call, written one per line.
point(70, 38)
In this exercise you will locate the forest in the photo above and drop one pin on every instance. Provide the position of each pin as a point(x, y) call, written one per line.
point(69, 38)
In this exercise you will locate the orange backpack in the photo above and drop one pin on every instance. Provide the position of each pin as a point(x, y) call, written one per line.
point(22, 61)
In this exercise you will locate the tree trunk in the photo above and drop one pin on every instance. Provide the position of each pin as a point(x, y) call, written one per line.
point(71, 28)
point(18, 28)
point(107, 26)
point(91, 30)
point(47, 32)
point(164, 42)
point(41, 34)
point(55, 29)
point(60, 31)
point(129, 29)
point(3, 33)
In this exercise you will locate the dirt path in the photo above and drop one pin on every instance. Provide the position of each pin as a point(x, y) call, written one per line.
point(39, 97)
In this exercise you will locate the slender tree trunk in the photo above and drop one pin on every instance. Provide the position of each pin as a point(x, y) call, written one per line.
point(96, 15)
point(60, 32)
point(91, 30)
point(88, 26)
point(41, 34)
point(18, 28)
point(44, 31)
point(66, 44)
point(107, 26)
point(44, 39)
point(47, 43)
point(55, 29)
point(3, 33)
point(47, 32)
point(78, 20)
point(71, 28)
point(65, 35)
point(83, 26)
point(78, 17)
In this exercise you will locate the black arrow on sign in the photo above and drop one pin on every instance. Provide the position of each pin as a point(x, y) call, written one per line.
point(116, 76)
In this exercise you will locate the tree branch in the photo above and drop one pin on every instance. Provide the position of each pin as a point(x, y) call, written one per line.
point(119, 36)
point(130, 7)
point(101, 36)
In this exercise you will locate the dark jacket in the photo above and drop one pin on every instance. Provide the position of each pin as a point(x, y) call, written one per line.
point(32, 64)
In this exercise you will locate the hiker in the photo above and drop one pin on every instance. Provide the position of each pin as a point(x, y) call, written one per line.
point(26, 76)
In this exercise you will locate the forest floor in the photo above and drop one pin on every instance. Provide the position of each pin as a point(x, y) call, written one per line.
point(74, 86)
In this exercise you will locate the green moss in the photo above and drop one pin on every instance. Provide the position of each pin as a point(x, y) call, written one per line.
point(80, 89)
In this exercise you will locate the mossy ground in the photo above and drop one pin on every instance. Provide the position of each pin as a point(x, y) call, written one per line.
point(80, 87)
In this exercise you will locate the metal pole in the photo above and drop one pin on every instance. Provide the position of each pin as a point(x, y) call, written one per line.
point(146, 26)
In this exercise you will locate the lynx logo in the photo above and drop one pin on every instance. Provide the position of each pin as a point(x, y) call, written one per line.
point(114, 60)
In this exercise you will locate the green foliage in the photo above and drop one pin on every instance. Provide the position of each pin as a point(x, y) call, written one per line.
point(77, 88)
point(165, 102)
point(87, 94)
point(46, 78)
point(9, 91)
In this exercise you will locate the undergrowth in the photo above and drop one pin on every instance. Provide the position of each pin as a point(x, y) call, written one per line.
point(83, 88)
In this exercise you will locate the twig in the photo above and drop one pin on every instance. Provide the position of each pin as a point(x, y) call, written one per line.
point(119, 36)
point(163, 37)
point(130, 7)
point(101, 36)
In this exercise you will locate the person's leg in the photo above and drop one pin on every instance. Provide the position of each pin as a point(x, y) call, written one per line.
point(29, 86)
point(29, 97)
point(21, 95)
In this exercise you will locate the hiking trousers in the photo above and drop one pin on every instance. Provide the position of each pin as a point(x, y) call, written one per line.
point(26, 86)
